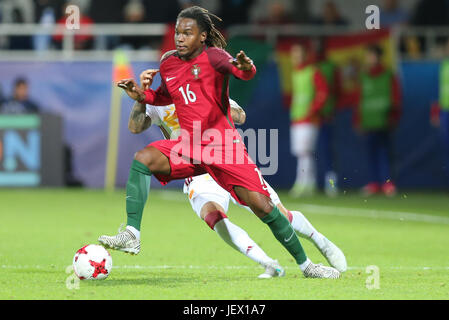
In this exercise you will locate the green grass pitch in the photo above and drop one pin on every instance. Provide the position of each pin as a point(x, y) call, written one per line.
point(406, 237)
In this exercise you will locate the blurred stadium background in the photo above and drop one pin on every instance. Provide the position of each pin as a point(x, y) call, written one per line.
point(56, 85)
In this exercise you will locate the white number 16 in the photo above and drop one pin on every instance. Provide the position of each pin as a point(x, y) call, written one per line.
point(190, 96)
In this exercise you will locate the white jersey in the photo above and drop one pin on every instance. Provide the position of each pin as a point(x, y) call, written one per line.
point(165, 118)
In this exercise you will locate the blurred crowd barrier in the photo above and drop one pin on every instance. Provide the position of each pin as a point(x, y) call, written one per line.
point(57, 41)
point(76, 84)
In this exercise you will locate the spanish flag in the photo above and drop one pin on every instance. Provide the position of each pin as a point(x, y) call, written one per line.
point(347, 51)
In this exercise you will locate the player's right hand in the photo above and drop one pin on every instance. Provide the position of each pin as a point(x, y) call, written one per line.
point(132, 89)
point(146, 78)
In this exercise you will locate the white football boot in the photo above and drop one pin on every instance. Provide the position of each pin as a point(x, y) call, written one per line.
point(124, 241)
point(272, 270)
point(320, 271)
point(333, 255)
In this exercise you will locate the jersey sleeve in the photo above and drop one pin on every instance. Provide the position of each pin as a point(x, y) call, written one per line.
point(158, 97)
point(219, 60)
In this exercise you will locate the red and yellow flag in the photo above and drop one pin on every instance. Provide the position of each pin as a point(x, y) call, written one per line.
point(347, 51)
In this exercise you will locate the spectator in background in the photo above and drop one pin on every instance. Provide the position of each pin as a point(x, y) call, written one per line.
point(45, 15)
point(25, 9)
point(113, 14)
point(439, 116)
point(21, 11)
point(309, 95)
point(331, 15)
point(431, 13)
point(427, 13)
point(277, 14)
point(391, 14)
point(19, 102)
point(81, 41)
point(134, 12)
point(107, 11)
point(377, 114)
point(211, 5)
point(301, 12)
point(235, 11)
point(161, 11)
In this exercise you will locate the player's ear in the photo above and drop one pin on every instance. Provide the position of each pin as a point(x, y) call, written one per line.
point(203, 37)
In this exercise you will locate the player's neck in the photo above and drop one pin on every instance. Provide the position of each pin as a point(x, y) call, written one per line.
point(194, 54)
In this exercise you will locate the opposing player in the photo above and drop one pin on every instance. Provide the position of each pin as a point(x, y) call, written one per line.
point(195, 79)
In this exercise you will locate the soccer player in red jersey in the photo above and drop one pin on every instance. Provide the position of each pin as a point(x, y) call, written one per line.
point(195, 78)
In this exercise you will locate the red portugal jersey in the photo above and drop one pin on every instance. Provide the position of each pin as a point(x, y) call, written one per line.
point(199, 88)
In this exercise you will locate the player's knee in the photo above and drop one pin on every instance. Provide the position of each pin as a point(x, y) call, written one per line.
point(208, 208)
point(267, 207)
point(144, 156)
point(213, 217)
point(262, 206)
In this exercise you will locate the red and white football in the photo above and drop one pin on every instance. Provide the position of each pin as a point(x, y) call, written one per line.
point(92, 262)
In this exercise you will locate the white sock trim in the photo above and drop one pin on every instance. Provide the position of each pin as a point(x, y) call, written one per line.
point(134, 231)
point(304, 265)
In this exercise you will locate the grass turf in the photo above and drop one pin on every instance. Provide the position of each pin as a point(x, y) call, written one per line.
point(182, 258)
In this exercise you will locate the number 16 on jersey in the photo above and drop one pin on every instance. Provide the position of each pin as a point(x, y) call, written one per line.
point(189, 96)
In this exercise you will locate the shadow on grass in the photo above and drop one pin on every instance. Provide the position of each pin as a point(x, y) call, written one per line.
point(163, 280)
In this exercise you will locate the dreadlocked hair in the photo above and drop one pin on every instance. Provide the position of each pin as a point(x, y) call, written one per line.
point(203, 19)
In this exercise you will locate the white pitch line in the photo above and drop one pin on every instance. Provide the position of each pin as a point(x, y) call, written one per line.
point(149, 267)
point(339, 211)
point(373, 214)
point(258, 267)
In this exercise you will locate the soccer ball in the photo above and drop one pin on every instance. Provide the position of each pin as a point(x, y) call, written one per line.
point(92, 262)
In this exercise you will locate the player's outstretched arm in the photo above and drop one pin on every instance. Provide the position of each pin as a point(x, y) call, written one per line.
point(138, 119)
point(132, 89)
point(242, 61)
point(146, 78)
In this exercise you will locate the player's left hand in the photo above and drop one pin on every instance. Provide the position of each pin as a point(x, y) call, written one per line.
point(242, 62)
point(132, 89)
point(146, 78)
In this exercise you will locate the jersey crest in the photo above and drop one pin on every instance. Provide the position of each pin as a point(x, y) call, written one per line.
point(196, 71)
